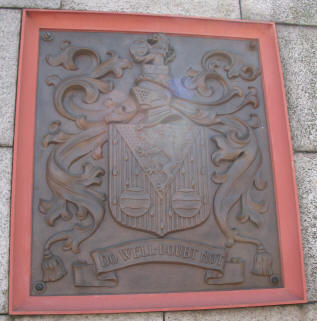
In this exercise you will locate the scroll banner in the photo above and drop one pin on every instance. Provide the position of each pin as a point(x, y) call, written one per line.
point(110, 259)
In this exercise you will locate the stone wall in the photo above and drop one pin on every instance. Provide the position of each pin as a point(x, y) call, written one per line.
point(297, 32)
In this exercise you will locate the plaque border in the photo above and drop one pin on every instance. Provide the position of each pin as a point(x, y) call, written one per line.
point(288, 217)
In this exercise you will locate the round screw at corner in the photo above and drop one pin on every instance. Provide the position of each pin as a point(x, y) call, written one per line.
point(39, 287)
point(275, 279)
point(252, 45)
point(47, 36)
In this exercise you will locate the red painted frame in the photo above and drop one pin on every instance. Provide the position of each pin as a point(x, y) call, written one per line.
point(20, 301)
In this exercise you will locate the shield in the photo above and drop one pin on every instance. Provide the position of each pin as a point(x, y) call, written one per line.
point(159, 176)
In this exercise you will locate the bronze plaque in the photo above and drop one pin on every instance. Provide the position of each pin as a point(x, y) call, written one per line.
point(152, 169)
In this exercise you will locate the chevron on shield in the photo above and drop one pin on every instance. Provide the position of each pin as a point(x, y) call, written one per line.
point(159, 176)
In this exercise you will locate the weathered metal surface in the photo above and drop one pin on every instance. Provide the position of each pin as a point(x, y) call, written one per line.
point(152, 166)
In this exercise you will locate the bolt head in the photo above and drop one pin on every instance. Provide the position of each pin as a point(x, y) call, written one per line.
point(275, 279)
point(39, 286)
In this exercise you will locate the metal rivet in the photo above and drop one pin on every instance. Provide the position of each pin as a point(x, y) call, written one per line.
point(39, 286)
point(252, 45)
point(47, 36)
point(275, 279)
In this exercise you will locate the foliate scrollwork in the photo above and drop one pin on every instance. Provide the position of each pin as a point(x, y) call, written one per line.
point(71, 190)
point(237, 145)
point(236, 140)
point(232, 64)
point(67, 57)
point(220, 67)
point(75, 197)
point(91, 83)
point(236, 156)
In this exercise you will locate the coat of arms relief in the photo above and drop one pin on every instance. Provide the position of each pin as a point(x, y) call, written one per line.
point(176, 151)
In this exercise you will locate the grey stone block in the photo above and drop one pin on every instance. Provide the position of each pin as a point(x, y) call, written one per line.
point(5, 186)
point(306, 176)
point(298, 47)
point(310, 312)
point(158, 316)
point(206, 8)
point(5, 318)
point(289, 11)
point(9, 43)
point(45, 4)
point(278, 313)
